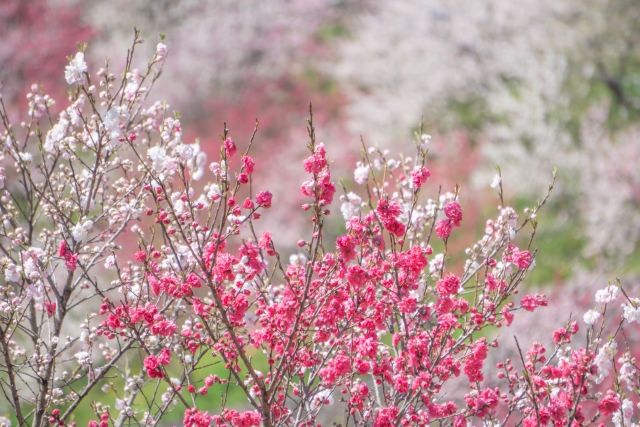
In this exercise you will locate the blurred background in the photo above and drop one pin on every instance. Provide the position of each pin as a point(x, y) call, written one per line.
point(528, 85)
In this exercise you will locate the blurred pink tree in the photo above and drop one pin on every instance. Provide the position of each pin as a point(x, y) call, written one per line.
point(36, 37)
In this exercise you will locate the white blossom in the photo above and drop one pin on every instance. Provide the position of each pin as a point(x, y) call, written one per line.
point(214, 192)
point(197, 162)
point(627, 371)
point(503, 269)
point(218, 169)
point(110, 262)
point(631, 313)
point(361, 173)
point(591, 317)
point(87, 201)
point(185, 151)
point(83, 358)
point(158, 155)
point(178, 207)
point(297, 259)
point(31, 268)
point(351, 206)
point(12, 272)
point(81, 230)
point(496, 181)
point(56, 135)
point(74, 72)
point(322, 397)
point(133, 84)
point(133, 293)
point(622, 418)
point(604, 360)
point(132, 209)
point(112, 120)
point(606, 295)
point(436, 265)
point(120, 405)
point(26, 157)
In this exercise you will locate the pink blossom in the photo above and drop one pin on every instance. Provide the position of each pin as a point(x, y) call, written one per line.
point(346, 245)
point(609, 404)
point(561, 336)
point(531, 302)
point(230, 147)
point(161, 51)
point(453, 211)
point(153, 368)
point(164, 358)
point(444, 228)
point(249, 164)
point(315, 163)
point(521, 259)
point(386, 417)
point(448, 286)
point(70, 258)
point(195, 418)
point(264, 199)
point(419, 176)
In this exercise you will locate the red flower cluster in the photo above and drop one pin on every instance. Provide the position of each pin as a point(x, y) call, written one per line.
point(153, 364)
point(70, 259)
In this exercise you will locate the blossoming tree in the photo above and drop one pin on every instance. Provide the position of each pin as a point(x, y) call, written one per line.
point(379, 327)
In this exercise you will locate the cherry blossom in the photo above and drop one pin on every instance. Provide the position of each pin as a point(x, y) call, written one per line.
point(74, 72)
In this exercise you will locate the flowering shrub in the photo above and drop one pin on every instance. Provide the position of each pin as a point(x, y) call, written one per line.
point(379, 327)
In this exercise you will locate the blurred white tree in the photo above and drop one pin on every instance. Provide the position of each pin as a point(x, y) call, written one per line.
point(540, 83)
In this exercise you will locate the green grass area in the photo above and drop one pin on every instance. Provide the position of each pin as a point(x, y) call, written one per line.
point(211, 402)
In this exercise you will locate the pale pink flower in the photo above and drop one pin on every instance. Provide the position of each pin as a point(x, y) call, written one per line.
point(74, 72)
